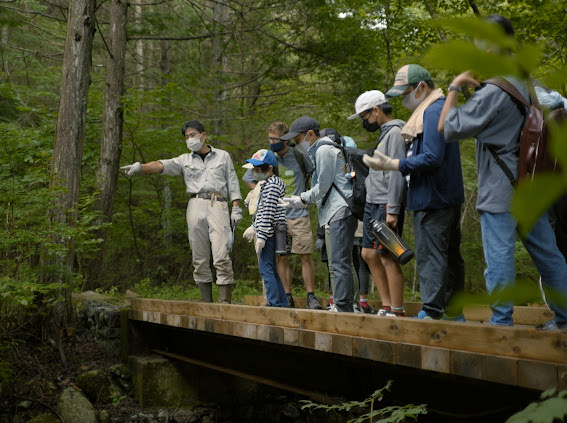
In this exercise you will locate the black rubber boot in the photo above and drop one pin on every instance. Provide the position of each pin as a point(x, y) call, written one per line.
point(225, 294)
point(206, 290)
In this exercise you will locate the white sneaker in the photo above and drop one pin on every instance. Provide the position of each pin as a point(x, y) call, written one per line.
point(332, 308)
point(356, 309)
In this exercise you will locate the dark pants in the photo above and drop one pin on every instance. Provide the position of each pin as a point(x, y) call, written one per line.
point(439, 262)
point(342, 238)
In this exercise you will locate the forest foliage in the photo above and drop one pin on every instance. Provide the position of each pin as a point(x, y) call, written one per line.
point(236, 66)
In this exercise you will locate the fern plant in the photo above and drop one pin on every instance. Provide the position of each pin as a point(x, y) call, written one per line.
point(390, 414)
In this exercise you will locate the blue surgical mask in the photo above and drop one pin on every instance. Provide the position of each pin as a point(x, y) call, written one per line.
point(277, 146)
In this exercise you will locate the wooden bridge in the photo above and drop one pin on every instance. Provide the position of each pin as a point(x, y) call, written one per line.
point(517, 356)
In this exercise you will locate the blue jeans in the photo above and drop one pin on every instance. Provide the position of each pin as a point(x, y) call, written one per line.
point(498, 242)
point(342, 238)
point(275, 293)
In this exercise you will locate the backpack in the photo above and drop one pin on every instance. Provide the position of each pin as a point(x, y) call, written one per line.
point(534, 149)
point(357, 171)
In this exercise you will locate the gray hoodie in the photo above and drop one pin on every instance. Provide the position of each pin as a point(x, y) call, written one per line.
point(385, 187)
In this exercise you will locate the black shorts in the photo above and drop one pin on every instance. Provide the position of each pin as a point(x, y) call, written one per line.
point(377, 212)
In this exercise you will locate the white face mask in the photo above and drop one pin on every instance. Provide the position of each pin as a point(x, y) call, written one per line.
point(194, 144)
point(410, 101)
point(303, 146)
point(260, 176)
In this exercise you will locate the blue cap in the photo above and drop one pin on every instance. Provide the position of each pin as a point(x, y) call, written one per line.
point(263, 156)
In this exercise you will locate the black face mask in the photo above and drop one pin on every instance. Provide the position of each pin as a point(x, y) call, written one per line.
point(370, 127)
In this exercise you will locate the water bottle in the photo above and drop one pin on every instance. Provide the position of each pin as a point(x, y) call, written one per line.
point(282, 244)
point(391, 241)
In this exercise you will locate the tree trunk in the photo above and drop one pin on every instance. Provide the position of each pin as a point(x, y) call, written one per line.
point(220, 63)
point(111, 145)
point(68, 149)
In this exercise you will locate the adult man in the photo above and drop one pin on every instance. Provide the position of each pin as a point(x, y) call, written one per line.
point(476, 118)
point(385, 192)
point(294, 168)
point(209, 179)
point(435, 192)
point(329, 187)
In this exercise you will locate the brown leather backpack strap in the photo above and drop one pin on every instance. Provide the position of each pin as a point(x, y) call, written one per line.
point(509, 88)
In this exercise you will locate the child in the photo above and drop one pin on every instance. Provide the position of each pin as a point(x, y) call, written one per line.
point(268, 214)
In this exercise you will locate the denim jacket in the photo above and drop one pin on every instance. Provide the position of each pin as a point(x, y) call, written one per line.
point(330, 166)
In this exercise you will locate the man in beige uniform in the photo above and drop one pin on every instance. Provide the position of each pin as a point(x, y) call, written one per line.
point(210, 179)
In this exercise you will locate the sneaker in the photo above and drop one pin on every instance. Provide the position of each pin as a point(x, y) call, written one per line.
point(457, 318)
point(385, 313)
point(313, 303)
point(549, 325)
point(290, 301)
point(356, 309)
point(332, 308)
point(423, 315)
point(368, 310)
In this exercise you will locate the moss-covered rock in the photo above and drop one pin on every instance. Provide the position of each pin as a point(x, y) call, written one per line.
point(98, 386)
point(44, 418)
point(74, 407)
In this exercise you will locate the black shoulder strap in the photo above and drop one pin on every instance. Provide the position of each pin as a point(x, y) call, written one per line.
point(501, 163)
point(329, 193)
point(301, 161)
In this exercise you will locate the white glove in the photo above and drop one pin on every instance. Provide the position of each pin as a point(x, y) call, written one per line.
point(381, 162)
point(292, 202)
point(249, 233)
point(132, 169)
point(235, 216)
point(259, 245)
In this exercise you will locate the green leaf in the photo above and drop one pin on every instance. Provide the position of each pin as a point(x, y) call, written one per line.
point(533, 198)
point(548, 411)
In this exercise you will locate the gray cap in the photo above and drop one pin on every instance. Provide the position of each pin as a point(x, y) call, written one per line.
point(299, 126)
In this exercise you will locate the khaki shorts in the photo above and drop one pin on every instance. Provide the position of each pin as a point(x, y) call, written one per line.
point(301, 236)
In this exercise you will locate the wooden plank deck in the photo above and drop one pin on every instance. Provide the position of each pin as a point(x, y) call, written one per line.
point(517, 355)
point(531, 316)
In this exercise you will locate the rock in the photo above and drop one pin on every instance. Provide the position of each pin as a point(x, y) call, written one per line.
point(289, 410)
point(185, 415)
point(104, 417)
point(24, 405)
point(45, 418)
point(131, 294)
point(74, 407)
point(120, 374)
point(98, 386)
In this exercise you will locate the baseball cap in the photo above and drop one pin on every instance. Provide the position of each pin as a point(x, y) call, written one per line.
point(366, 101)
point(407, 75)
point(300, 125)
point(263, 156)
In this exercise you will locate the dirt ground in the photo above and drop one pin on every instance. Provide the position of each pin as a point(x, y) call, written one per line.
point(38, 375)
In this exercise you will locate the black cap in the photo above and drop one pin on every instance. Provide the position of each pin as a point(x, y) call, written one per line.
point(299, 126)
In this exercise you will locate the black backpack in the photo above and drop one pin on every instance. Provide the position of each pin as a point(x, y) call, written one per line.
point(355, 167)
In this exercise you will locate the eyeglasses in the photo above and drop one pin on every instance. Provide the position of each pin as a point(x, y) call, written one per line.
point(272, 139)
point(366, 114)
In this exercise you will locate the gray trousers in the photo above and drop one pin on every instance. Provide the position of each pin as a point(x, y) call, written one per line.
point(356, 283)
point(440, 265)
point(342, 238)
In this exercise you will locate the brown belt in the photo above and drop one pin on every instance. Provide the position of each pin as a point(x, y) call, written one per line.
point(209, 196)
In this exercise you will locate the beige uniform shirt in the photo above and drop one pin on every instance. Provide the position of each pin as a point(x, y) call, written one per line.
point(215, 174)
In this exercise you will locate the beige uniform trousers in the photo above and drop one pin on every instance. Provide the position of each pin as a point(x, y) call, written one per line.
point(209, 230)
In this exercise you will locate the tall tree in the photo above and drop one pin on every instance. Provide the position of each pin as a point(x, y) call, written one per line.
point(68, 149)
point(111, 143)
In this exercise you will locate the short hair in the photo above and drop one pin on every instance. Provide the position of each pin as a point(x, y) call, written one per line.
point(278, 128)
point(386, 108)
point(195, 124)
point(503, 22)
